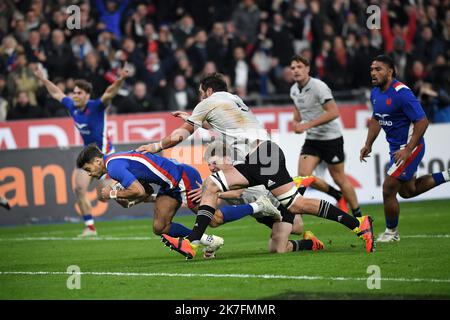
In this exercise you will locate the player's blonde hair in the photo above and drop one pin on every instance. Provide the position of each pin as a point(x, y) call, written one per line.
point(219, 149)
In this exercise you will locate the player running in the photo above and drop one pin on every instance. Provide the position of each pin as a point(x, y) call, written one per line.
point(260, 162)
point(135, 172)
point(399, 113)
point(317, 113)
point(89, 116)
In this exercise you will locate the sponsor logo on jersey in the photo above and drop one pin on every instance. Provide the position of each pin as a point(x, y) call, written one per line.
point(383, 121)
point(270, 183)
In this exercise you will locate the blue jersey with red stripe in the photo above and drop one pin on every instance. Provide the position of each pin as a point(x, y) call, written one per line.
point(128, 166)
point(396, 109)
point(90, 122)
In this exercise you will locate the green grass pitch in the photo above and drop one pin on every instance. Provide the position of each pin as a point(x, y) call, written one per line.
point(128, 262)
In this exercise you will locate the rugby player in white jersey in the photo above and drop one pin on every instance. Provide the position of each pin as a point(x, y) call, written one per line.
point(316, 113)
point(257, 161)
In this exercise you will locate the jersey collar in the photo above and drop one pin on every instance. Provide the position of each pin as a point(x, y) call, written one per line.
point(300, 89)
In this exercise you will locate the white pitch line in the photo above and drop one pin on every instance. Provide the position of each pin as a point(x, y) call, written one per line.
point(212, 275)
point(427, 236)
point(80, 239)
point(157, 238)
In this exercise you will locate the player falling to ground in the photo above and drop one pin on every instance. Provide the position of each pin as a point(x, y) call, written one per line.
point(316, 113)
point(260, 162)
point(135, 172)
point(399, 113)
point(4, 203)
point(89, 116)
point(218, 157)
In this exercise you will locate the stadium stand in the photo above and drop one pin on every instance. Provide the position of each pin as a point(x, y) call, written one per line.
point(171, 44)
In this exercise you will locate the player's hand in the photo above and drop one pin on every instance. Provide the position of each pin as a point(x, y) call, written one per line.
point(181, 114)
point(401, 156)
point(39, 73)
point(364, 153)
point(150, 148)
point(301, 127)
point(196, 194)
point(124, 72)
point(105, 192)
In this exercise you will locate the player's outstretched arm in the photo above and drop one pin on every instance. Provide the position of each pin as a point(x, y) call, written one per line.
point(177, 136)
point(113, 89)
point(372, 134)
point(53, 89)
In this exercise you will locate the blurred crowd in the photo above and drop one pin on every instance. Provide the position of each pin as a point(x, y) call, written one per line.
point(170, 44)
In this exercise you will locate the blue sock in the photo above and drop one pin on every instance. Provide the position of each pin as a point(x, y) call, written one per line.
point(438, 178)
point(391, 223)
point(178, 230)
point(233, 213)
point(87, 217)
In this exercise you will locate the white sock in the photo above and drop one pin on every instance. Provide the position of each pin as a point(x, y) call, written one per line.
point(256, 207)
point(446, 175)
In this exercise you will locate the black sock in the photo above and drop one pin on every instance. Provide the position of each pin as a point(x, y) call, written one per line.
point(330, 212)
point(300, 245)
point(334, 193)
point(204, 217)
point(357, 212)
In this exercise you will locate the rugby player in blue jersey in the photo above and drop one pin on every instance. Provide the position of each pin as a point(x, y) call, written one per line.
point(89, 116)
point(135, 172)
point(399, 113)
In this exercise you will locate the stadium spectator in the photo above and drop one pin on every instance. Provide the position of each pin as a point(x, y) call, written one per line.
point(239, 71)
point(161, 39)
point(184, 29)
point(111, 14)
point(23, 109)
point(282, 40)
point(34, 49)
point(81, 45)
point(180, 96)
point(428, 46)
point(60, 56)
point(397, 32)
point(198, 51)
point(139, 101)
point(217, 45)
point(4, 104)
point(246, 19)
point(22, 79)
point(340, 69)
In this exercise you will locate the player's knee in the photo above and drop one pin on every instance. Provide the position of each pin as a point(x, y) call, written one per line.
point(276, 245)
point(301, 205)
point(213, 224)
point(297, 227)
point(389, 189)
point(405, 194)
point(339, 178)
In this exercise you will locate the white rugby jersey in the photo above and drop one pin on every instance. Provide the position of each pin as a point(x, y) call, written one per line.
point(228, 115)
point(309, 102)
